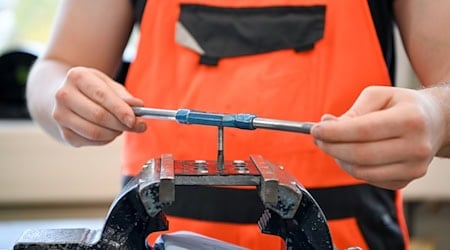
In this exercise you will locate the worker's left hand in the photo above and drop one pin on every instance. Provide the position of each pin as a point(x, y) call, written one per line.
point(387, 138)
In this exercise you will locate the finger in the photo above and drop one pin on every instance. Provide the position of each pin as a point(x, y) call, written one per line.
point(69, 99)
point(101, 117)
point(120, 90)
point(371, 99)
point(94, 88)
point(89, 110)
point(140, 125)
point(391, 176)
point(90, 131)
point(378, 152)
point(74, 139)
point(328, 117)
point(392, 185)
point(378, 125)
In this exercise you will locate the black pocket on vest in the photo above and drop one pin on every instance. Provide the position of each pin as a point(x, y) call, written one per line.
point(216, 32)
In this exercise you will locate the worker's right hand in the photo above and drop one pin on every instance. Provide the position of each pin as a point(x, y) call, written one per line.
point(92, 109)
point(389, 136)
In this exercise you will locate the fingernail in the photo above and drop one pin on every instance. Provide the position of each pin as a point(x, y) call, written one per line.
point(129, 121)
point(328, 117)
point(141, 127)
point(315, 129)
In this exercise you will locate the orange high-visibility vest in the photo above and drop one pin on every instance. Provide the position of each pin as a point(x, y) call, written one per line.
point(297, 77)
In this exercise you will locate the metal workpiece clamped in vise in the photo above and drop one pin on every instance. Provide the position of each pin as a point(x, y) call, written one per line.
point(242, 121)
point(138, 211)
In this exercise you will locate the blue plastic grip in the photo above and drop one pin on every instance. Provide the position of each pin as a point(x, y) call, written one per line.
point(187, 116)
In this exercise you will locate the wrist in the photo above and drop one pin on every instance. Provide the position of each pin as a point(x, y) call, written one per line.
point(439, 95)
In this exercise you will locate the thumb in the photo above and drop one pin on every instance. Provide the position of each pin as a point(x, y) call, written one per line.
point(119, 89)
point(371, 99)
point(123, 93)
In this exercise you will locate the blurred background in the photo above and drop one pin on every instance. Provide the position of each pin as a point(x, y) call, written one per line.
point(46, 185)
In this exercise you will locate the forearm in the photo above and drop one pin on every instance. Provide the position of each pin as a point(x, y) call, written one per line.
point(422, 25)
point(45, 78)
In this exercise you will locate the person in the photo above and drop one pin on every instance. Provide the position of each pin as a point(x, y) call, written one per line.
point(306, 60)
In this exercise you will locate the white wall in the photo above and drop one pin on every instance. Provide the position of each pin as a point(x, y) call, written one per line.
point(36, 169)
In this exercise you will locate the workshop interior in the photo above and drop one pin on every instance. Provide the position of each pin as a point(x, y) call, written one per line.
point(44, 185)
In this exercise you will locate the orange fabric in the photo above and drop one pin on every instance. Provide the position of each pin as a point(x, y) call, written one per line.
point(281, 85)
point(350, 237)
point(402, 219)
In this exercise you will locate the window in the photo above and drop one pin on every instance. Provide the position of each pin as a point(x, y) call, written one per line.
point(25, 23)
point(24, 28)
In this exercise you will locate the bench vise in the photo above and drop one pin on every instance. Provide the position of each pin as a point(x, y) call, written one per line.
point(291, 212)
point(138, 211)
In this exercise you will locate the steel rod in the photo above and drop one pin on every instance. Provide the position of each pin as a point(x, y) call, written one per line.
point(302, 127)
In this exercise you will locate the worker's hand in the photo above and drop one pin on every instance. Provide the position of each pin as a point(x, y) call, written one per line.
point(92, 109)
point(387, 138)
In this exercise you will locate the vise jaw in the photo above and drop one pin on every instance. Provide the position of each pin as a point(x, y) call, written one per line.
point(290, 211)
